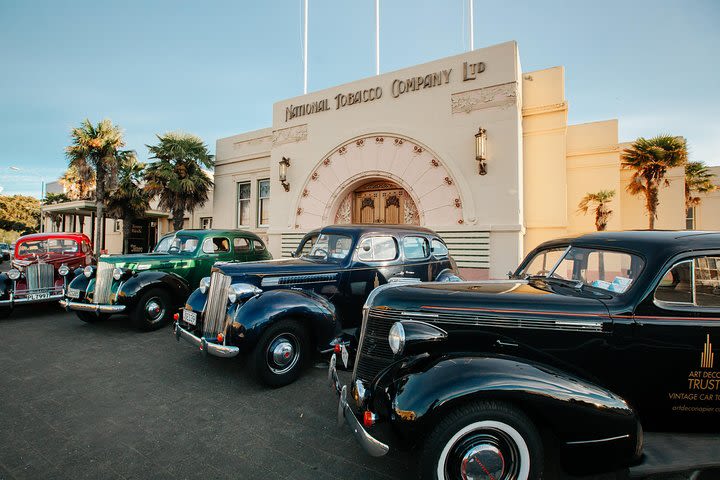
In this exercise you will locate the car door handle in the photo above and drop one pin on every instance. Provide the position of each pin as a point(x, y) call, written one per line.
point(500, 343)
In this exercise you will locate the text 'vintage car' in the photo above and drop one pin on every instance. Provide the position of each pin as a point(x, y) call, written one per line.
point(151, 287)
point(42, 265)
point(285, 311)
point(593, 340)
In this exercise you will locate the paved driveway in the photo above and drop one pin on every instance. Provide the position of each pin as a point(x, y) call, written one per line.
point(105, 401)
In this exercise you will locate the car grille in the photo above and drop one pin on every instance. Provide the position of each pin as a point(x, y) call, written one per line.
point(103, 283)
point(374, 352)
point(40, 276)
point(216, 306)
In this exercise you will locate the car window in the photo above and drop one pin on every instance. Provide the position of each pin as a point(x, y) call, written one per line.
point(707, 281)
point(377, 249)
point(216, 245)
point(416, 247)
point(604, 269)
point(543, 262)
point(306, 246)
point(241, 244)
point(676, 285)
point(258, 246)
point(164, 244)
point(439, 249)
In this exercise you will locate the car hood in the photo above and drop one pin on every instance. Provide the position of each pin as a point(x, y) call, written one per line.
point(146, 261)
point(254, 272)
point(54, 259)
point(501, 296)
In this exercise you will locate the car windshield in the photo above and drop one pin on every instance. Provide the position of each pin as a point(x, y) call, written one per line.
point(604, 269)
point(49, 246)
point(177, 244)
point(330, 247)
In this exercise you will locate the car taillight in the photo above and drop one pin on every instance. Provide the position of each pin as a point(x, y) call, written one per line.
point(220, 337)
point(176, 316)
point(369, 419)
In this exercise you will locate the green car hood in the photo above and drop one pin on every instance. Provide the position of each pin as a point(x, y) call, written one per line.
point(148, 261)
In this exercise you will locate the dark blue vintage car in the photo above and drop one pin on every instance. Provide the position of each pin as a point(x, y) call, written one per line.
point(281, 312)
point(590, 340)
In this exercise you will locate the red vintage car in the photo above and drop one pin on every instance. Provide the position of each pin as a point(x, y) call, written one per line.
point(42, 266)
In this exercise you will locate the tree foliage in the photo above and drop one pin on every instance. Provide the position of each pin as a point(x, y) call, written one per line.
point(598, 202)
point(650, 159)
point(19, 215)
point(129, 201)
point(79, 181)
point(177, 177)
point(698, 179)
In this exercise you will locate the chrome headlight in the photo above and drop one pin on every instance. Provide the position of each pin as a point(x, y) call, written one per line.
point(63, 270)
point(118, 273)
point(89, 271)
point(13, 274)
point(241, 291)
point(396, 338)
point(204, 285)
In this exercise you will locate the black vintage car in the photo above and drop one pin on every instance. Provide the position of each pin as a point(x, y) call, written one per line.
point(284, 310)
point(590, 340)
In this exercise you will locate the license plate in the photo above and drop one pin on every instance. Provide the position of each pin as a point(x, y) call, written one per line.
point(189, 317)
point(38, 296)
point(345, 355)
point(73, 293)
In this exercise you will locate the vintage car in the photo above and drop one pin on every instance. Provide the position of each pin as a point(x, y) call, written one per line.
point(4, 251)
point(150, 287)
point(285, 311)
point(42, 265)
point(592, 341)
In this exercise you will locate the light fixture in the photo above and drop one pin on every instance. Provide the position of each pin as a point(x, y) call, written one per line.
point(284, 164)
point(480, 146)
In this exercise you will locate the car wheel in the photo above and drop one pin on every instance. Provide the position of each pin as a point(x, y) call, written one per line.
point(487, 440)
point(90, 317)
point(153, 310)
point(281, 353)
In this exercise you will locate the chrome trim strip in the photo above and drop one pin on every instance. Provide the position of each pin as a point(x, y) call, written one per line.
point(599, 440)
point(25, 301)
point(371, 445)
point(91, 307)
point(213, 349)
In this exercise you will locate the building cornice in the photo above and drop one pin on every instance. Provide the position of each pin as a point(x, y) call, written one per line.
point(541, 109)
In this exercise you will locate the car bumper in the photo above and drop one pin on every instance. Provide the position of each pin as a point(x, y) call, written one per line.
point(224, 351)
point(91, 307)
point(370, 444)
point(25, 300)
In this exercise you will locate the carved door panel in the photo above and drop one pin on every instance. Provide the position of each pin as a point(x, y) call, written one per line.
point(366, 207)
point(392, 207)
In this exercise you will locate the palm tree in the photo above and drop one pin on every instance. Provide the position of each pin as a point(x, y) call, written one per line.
point(79, 182)
point(96, 147)
point(650, 159)
point(697, 179)
point(177, 178)
point(599, 203)
point(129, 201)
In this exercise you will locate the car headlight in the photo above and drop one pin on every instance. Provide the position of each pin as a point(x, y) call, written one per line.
point(396, 338)
point(89, 271)
point(241, 291)
point(63, 270)
point(13, 274)
point(204, 285)
point(118, 273)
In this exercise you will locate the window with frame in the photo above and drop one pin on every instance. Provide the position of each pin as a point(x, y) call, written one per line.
point(694, 282)
point(377, 249)
point(263, 203)
point(241, 244)
point(690, 218)
point(416, 248)
point(439, 248)
point(216, 245)
point(258, 246)
point(243, 204)
point(206, 223)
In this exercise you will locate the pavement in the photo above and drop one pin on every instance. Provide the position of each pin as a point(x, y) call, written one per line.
point(105, 401)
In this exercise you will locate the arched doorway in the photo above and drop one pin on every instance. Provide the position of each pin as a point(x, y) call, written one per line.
point(379, 201)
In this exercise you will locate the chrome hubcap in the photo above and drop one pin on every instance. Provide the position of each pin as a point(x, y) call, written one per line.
point(282, 353)
point(483, 462)
point(154, 309)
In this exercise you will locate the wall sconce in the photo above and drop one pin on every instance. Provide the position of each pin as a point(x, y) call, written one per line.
point(480, 146)
point(284, 164)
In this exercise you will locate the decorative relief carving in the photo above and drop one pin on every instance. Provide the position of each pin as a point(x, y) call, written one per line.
point(305, 192)
point(417, 150)
point(252, 142)
point(434, 163)
point(392, 201)
point(367, 202)
point(314, 176)
point(448, 180)
point(360, 143)
point(410, 214)
point(458, 203)
point(379, 139)
point(290, 135)
point(344, 213)
point(461, 221)
point(299, 211)
point(398, 142)
point(496, 96)
point(326, 162)
point(342, 150)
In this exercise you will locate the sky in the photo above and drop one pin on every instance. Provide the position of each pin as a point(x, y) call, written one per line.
point(215, 67)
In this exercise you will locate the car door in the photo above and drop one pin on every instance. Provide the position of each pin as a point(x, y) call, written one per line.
point(213, 249)
point(416, 258)
point(677, 330)
point(241, 249)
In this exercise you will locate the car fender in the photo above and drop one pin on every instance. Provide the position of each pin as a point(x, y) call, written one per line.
point(574, 409)
point(79, 281)
point(134, 287)
point(5, 285)
point(252, 318)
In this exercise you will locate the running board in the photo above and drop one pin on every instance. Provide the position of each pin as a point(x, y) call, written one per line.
point(677, 452)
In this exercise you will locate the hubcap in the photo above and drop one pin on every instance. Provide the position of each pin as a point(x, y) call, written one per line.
point(483, 462)
point(282, 353)
point(154, 309)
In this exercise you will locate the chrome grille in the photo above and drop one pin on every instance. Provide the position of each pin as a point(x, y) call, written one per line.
point(374, 352)
point(216, 305)
point(40, 276)
point(103, 283)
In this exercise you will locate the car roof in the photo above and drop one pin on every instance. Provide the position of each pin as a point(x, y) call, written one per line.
point(46, 235)
point(214, 231)
point(361, 229)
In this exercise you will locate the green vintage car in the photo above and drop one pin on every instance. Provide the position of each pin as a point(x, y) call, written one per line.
point(150, 287)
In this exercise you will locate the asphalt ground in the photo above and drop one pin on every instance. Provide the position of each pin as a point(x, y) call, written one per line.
point(105, 401)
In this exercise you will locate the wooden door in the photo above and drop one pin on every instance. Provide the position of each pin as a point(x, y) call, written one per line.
point(384, 204)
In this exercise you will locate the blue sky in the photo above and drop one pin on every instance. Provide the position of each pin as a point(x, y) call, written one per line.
point(214, 68)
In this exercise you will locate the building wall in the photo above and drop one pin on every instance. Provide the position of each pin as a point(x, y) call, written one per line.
point(708, 212)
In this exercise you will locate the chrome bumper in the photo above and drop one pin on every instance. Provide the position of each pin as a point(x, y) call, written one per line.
point(25, 301)
point(92, 307)
point(206, 347)
point(372, 446)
